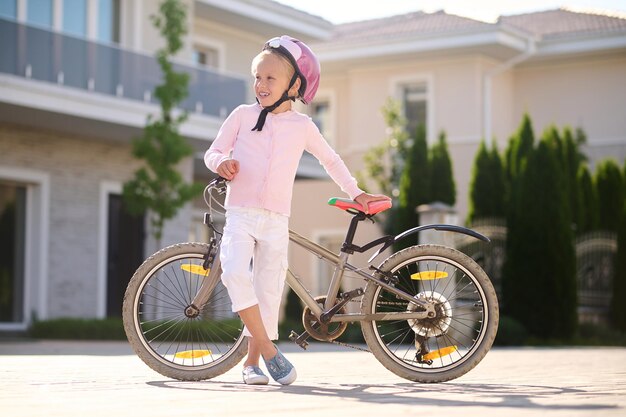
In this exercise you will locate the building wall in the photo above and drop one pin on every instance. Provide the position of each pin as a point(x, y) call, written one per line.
point(454, 106)
point(314, 219)
point(78, 168)
point(589, 92)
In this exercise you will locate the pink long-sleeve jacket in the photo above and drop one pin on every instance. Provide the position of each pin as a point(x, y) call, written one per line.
point(268, 159)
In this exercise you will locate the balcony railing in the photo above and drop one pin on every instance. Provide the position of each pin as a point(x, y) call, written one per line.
point(52, 57)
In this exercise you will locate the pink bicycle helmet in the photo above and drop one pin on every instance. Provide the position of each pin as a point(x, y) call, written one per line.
point(306, 67)
point(304, 62)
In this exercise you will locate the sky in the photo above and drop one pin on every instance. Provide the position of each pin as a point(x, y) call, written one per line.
point(341, 11)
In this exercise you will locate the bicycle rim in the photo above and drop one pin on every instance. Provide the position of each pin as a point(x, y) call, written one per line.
point(176, 338)
point(448, 345)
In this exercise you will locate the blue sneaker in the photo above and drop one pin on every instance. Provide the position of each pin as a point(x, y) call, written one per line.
point(281, 369)
point(253, 375)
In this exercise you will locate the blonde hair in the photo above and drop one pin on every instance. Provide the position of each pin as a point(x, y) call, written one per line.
point(257, 59)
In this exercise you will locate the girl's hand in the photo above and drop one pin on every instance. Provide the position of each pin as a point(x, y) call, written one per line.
point(365, 198)
point(228, 169)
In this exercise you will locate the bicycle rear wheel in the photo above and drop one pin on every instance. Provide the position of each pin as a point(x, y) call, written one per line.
point(166, 331)
point(439, 348)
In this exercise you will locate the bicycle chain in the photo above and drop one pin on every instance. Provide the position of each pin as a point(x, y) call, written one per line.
point(350, 346)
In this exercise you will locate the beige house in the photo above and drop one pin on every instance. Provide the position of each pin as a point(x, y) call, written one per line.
point(76, 83)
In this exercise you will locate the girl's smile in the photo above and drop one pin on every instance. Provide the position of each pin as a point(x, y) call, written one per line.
point(272, 75)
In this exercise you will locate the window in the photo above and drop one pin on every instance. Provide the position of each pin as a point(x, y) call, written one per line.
point(321, 113)
point(206, 57)
point(12, 250)
point(414, 104)
point(321, 116)
point(39, 12)
point(8, 8)
point(109, 21)
point(75, 17)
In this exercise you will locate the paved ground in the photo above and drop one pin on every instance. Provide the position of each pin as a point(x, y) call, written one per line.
point(104, 379)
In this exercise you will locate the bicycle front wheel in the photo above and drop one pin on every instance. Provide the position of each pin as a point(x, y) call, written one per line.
point(171, 335)
point(442, 347)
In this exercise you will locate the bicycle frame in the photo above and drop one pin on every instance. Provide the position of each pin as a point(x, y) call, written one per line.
point(332, 305)
point(341, 265)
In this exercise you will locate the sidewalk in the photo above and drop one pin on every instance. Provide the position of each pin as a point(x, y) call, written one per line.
point(104, 379)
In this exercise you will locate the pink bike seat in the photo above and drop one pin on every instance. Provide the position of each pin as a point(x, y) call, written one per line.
point(351, 206)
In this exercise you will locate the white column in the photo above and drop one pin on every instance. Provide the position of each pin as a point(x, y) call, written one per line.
point(92, 20)
point(21, 11)
point(57, 15)
point(137, 26)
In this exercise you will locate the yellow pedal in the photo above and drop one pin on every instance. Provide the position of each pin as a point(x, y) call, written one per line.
point(436, 354)
point(428, 275)
point(192, 354)
point(195, 269)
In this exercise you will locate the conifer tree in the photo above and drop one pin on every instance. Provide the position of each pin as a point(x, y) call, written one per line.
point(573, 159)
point(442, 187)
point(610, 188)
point(539, 288)
point(487, 186)
point(587, 216)
point(414, 186)
point(520, 146)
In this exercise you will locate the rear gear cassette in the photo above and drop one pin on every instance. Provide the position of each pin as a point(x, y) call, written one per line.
point(435, 326)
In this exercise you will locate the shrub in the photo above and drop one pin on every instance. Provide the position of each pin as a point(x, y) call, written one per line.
point(78, 329)
point(510, 332)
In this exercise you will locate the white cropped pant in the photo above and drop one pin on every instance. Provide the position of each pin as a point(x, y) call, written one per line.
point(254, 261)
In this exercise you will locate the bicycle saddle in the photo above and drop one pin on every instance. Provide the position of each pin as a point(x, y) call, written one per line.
point(353, 207)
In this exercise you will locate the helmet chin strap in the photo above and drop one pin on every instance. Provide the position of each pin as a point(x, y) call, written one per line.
point(261, 120)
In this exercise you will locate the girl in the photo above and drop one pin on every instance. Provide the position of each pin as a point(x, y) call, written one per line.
point(258, 149)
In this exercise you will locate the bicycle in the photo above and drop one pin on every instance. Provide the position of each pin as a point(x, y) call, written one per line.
point(428, 313)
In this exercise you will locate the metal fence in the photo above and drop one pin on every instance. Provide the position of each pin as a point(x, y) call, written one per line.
point(595, 269)
point(43, 55)
point(595, 264)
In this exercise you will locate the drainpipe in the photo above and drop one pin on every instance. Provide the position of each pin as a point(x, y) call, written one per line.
point(531, 49)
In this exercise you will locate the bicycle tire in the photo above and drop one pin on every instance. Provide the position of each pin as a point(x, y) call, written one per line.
point(162, 335)
point(461, 334)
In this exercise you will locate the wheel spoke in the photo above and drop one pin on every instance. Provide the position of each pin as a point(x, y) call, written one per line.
point(172, 332)
point(436, 348)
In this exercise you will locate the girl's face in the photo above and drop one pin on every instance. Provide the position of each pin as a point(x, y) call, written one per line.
point(272, 75)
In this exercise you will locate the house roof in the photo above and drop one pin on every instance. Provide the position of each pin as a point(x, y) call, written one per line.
point(544, 24)
point(411, 24)
point(561, 23)
point(553, 31)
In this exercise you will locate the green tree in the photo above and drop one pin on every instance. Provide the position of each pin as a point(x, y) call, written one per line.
point(384, 163)
point(587, 202)
point(573, 159)
point(539, 282)
point(158, 186)
point(610, 189)
point(442, 187)
point(487, 186)
point(520, 146)
point(403, 167)
point(567, 148)
point(414, 187)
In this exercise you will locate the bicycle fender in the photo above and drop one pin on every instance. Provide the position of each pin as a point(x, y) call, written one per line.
point(438, 227)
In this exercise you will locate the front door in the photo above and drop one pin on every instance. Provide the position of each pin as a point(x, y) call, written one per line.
point(12, 249)
point(125, 252)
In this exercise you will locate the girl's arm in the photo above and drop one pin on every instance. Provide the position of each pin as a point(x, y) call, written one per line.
point(220, 149)
point(338, 171)
point(332, 163)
